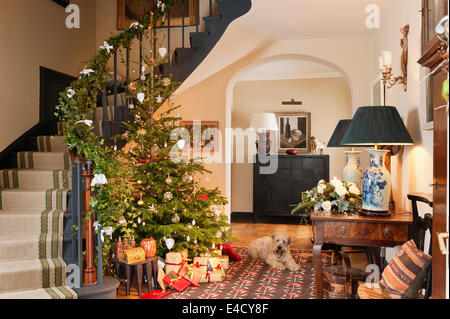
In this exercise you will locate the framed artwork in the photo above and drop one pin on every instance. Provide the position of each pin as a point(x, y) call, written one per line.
point(294, 131)
point(131, 10)
point(377, 91)
point(62, 3)
point(189, 125)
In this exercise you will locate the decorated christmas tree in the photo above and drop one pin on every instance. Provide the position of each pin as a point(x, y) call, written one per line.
point(170, 203)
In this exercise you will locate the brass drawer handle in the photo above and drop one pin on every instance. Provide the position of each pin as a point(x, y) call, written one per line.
point(387, 232)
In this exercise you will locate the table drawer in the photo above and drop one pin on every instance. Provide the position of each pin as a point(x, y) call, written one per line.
point(366, 231)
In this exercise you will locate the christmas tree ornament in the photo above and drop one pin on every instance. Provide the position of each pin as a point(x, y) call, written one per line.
point(213, 246)
point(187, 178)
point(181, 144)
point(188, 238)
point(219, 234)
point(169, 243)
point(168, 196)
point(166, 82)
point(162, 52)
point(155, 150)
point(139, 182)
point(140, 202)
point(193, 222)
point(141, 97)
point(175, 219)
point(159, 99)
point(168, 180)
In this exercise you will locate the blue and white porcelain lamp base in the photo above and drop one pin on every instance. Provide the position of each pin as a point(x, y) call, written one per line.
point(376, 186)
point(352, 172)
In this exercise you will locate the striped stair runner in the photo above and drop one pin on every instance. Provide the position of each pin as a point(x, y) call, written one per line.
point(33, 201)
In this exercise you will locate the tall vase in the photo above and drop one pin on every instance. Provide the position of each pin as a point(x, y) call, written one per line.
point(376, 184)
point(352, 172)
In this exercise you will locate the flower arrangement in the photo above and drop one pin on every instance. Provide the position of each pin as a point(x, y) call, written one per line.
point(337, 195)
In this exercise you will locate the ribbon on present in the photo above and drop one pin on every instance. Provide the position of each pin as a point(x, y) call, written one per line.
point(208, 276)
point(183, 262)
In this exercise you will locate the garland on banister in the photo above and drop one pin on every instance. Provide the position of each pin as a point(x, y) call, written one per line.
point(139, 191)
point(81, 96)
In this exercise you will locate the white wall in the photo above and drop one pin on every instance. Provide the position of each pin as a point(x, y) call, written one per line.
point(327, 99)
point(33, 34)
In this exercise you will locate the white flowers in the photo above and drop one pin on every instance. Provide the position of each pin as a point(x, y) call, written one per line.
point(321, 188)
point(136, 25)
point(341, 190)
point(353, 189)
point(86, 122)
point(327, 206)
point(70, 93)
point(161, 5)
point(108, 231)
point(87, 71)
point(106, 47)
point(99, 179)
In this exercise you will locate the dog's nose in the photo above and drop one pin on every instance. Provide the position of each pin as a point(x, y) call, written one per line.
point(279, 247)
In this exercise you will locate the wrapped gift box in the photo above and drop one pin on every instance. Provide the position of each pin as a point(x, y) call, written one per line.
point(191, 274)
point(175, 260)
point(177, 282)
point(212, 276)
point(215, 265)
point(201, 263)
point(225, 261)
point(215, 252)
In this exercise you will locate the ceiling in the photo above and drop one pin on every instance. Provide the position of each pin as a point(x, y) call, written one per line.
point(294, 19)
point(289, 69)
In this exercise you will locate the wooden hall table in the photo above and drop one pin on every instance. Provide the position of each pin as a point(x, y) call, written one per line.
point(356, 230)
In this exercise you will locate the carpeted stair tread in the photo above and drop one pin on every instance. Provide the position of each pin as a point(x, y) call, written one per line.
point(35, 179)
point(32, 199)
point(29, 221)
point(51, 143)
point(22, 246)
point(43, 160)
point(62, 292)
point(31, 274)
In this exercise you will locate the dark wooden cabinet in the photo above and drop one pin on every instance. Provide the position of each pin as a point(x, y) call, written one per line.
point(278, 193)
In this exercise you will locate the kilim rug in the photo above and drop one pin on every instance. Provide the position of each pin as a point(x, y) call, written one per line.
point(254, 279)
point(33, 200)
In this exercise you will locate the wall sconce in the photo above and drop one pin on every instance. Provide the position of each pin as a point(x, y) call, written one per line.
point(385, 63)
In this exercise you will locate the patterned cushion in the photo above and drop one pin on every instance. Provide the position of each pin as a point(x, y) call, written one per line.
point(398, 276)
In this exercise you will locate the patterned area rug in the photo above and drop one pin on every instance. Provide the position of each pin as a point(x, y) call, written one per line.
point(254, 279)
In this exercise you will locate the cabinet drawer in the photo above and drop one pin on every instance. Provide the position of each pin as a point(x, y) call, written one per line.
point(366, 231)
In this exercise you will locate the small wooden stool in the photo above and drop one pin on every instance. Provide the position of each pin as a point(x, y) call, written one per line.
point(149, 267)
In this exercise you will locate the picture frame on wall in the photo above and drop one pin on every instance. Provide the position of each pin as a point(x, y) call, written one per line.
point(62, 3)
point(129, 11)
point(294, 132)
point(189, 125)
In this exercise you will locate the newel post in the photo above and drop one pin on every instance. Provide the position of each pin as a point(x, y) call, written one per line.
point(90, 271)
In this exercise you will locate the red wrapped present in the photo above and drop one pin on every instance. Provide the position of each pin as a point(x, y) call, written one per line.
point(177, 282)
point(191, 274)
point(157, 294)
point(227, 250)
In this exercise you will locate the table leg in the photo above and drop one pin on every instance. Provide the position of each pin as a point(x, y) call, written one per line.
point(155, 273)
point(128, 278)
point(148, 272)
point(317, 260)
point(139, 278)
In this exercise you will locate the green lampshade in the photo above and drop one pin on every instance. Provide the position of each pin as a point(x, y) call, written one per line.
point(338, 134)
point(380, 125)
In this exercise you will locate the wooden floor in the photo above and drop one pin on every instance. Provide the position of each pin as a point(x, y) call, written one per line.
point(246, 232)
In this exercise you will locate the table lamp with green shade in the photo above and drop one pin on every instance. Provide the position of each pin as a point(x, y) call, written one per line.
point(376, 125)
point(352, 172)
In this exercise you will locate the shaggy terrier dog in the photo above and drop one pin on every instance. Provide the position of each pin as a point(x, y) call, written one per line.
point(274, 251)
